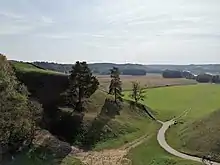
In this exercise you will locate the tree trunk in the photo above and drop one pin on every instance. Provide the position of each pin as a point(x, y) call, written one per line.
point(136, 100)
point(115, 95)
point(79, 104)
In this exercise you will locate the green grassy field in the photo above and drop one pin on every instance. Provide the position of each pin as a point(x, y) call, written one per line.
point(198, 126)
point(28, 67)
point(168, 102)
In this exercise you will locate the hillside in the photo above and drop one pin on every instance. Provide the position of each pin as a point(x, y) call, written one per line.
point(97, 68)
point(201, 137)
point(103, 68)
point(103, 125)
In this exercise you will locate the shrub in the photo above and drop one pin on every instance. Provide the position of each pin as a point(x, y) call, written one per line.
point(204, 78)
point(17, 120)
point(172, 74)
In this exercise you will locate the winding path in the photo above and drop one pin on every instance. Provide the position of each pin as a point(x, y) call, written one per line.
point(162, 141)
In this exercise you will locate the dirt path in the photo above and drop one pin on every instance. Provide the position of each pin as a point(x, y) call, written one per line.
point(162, 141)
point(110, 157)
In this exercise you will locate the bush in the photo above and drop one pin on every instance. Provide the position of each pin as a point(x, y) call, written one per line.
point(204, 78)
point(172, 74)
point(17, 120)
point(216, 79)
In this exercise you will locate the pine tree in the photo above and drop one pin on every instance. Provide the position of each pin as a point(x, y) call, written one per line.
point(82, 84)
point(115, 87)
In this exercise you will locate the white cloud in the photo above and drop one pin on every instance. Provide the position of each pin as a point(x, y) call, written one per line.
point(16, 23)
point(11, 15)
point(55, 35)
point(15, 29)
point(47, 20)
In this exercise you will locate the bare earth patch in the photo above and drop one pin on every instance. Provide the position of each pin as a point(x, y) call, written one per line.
point(110, 157)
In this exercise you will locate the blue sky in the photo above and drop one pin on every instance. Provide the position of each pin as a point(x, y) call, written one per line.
point(122, 31)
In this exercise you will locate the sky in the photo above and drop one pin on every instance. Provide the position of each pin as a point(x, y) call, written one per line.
point(120, 31)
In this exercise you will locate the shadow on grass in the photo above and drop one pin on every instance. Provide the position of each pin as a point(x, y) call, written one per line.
point(143, 109)
point(108, 112)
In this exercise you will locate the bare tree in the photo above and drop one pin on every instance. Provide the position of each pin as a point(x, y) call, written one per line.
point(138, 93)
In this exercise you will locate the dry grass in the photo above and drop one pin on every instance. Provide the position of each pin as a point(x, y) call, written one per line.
point(152, 80)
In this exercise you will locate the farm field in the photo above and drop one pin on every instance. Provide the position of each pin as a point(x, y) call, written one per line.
point(189, 136)
point(202, 99)
point(151, 80)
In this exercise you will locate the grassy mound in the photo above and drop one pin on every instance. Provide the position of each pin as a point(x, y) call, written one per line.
point(44, 85)
point(106, 125)
point(29, 67)
point(200, 137)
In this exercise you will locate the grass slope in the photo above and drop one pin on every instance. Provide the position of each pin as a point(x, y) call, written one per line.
point(45, 85)
point(117, 128)
point(200, 137)
point(29, 67)
point(150, 153)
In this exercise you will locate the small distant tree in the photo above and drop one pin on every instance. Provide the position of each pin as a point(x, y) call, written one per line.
point(115, 87)
point(82, 84)
point(138, 92)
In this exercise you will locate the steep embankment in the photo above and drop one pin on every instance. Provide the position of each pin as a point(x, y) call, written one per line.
point(44, 85)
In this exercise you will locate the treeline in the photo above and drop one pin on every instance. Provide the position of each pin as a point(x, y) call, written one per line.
point(172, 74)
point(178, 74)
point(101, 69)
point(208, 78)
point(201, 78)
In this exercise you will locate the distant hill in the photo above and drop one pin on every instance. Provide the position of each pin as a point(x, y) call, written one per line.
point(103, 68)
point(97, 68)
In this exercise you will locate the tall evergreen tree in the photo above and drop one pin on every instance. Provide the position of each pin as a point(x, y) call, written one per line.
point(115, 87)
point(82, 84)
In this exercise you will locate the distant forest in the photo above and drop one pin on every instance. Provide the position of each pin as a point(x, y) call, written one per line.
point(98, 68)
point(132, 69)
